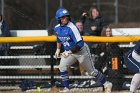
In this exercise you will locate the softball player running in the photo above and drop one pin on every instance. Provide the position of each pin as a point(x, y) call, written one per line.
point(132, 61)
point(75, 48)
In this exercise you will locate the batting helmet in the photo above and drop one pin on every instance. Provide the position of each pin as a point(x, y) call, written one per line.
point(61, 12)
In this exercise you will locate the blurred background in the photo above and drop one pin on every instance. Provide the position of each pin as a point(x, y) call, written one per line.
point(36, 14)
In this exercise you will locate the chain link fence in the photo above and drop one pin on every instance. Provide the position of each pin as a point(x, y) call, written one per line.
point(26, 66)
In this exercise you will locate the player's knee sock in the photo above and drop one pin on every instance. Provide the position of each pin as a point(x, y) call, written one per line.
point(65, 78)
point(135, 82)
point(100, 78)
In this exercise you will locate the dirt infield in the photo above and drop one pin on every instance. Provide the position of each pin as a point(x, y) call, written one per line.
point(56, 90)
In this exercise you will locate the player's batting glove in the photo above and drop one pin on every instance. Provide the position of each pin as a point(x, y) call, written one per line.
point(66, 53)
point(57, 53)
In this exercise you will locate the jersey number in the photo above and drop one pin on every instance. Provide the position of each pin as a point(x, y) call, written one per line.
point(66, 44)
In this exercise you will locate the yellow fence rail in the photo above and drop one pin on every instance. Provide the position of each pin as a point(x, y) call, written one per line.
point(53, 39)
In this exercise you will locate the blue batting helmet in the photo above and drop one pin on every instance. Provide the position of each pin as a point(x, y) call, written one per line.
point(61, 12)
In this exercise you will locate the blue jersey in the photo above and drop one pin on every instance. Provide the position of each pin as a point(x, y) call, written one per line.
point(137, 48)
point(69, 36)
point(132, 62)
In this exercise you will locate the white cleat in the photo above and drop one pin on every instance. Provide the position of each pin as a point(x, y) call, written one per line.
point(65, 90)
point(108, 87)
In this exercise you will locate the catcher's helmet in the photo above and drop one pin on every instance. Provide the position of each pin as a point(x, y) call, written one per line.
point(61, 12)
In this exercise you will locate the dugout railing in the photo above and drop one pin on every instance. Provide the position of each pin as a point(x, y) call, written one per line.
point(18, 54)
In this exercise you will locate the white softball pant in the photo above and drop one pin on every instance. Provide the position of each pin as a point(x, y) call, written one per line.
point(83, 57)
